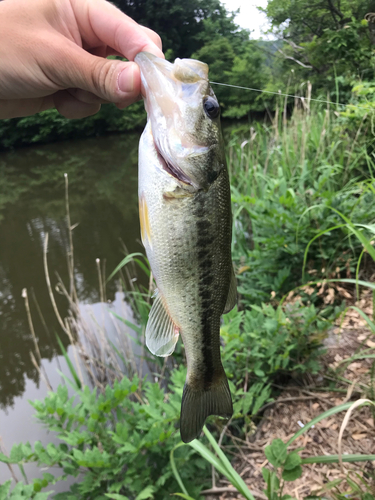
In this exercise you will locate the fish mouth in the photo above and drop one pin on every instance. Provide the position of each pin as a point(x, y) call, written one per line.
point(155, 71)
point(173, 169)
point(168, 89)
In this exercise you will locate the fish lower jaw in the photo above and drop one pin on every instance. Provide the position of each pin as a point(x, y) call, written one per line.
point(174, 170)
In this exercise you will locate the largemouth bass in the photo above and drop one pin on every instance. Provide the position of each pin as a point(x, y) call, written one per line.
point(186, 229)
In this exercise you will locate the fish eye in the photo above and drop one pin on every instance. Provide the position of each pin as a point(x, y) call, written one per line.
point(211, 107)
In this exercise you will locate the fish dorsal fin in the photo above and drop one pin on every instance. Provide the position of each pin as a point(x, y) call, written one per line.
point(232, 294)
point(161, 332)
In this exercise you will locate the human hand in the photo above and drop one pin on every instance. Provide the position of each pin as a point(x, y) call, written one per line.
point(53, 55)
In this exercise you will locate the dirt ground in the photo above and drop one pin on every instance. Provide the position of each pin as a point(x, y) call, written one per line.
point(305, 399)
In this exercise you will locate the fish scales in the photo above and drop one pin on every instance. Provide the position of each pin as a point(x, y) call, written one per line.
point(186, 228)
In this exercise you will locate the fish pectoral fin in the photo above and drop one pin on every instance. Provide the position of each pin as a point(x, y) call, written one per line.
point(232, 294)
point(161, 333)
point(197, 404)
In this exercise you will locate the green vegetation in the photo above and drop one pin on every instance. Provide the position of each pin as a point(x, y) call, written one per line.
point(303, 186)
point(303, 207)
point(330, 43)
point(110, 438)
point(297, 179)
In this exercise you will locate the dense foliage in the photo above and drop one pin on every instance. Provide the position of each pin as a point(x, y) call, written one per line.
point(291, 192)
point(120, 441)
point(326, 42)
point(184, 26)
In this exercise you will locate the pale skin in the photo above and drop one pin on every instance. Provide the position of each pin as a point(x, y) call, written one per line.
point(53, 55)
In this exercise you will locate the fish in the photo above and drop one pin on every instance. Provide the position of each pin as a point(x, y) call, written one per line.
point(186, 229)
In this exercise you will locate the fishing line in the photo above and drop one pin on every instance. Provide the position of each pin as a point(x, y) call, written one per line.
point(289, 95)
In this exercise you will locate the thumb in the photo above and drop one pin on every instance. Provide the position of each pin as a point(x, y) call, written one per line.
point(110, 80)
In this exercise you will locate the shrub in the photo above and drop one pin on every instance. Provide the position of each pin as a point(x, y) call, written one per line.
point(263, 343)
point(114, 443)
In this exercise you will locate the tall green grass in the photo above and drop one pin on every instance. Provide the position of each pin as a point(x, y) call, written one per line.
point(298, 182)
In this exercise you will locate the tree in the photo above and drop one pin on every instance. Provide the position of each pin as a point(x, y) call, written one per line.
point(242, 67)
point(181, 23)
point(323, 40)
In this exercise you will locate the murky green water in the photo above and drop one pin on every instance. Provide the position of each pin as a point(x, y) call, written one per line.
point(103, 202)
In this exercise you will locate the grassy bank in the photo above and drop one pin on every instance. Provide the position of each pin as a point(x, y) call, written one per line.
point(302, 195)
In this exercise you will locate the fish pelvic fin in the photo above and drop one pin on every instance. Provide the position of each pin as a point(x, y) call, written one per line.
point(232, 294)
point(161, 333)
point(198, 404)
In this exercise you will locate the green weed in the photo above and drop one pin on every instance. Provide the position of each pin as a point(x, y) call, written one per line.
point(117, 443)
point(298, 184)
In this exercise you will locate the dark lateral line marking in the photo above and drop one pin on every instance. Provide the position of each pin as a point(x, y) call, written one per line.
point(205, 264)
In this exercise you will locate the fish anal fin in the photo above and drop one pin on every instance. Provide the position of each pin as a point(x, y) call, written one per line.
point(232, 294)
point(161, 333)
point(198, 404)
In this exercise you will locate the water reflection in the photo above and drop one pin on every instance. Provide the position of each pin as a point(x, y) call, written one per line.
point(103, 202)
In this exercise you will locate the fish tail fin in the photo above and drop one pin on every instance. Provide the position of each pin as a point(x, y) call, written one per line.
point(198, 404)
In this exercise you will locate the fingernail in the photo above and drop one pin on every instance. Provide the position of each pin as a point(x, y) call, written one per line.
point(126, 79)
point(154, 49)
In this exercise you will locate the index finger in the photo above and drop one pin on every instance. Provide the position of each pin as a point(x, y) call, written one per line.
point(101, 22)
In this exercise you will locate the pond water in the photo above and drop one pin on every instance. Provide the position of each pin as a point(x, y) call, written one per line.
point(103, 203)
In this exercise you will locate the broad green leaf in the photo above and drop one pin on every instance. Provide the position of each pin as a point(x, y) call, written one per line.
point(292, 460)
point(4, 489)
point(279, 450)
point(148, 492)
point(271, 457)
point(292, 474)
point(16, 454)
point(4, 458)
point(43, 496)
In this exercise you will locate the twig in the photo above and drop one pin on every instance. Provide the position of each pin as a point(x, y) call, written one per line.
point(3, 450)
point(350, 391)
point(30, 321)
point(225, 428)
point(296, 60)
point(101, 289)
point(36, 303)
point(52, 297)
point(74, 352)
point(304, 391)
point(41, 374)
point(31, 326)
point(285, 400)
point(343, 380)
point(230, 489)
point(70, 255)
point(244, 443)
